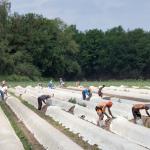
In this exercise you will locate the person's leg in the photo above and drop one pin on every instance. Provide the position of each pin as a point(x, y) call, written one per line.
point(100, 118)
point(100, 115)
point(100, 94)
point(83, 95)
point(110, 112)
point(138, 114)
point(90, 95)
point(2, 94)
point(133, 113)
point(39, 104)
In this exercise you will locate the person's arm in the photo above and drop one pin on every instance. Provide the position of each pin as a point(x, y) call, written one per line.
point(110, 112)
point(147, 113)
point(107, 115)
point(103, 110)
point(44, 101)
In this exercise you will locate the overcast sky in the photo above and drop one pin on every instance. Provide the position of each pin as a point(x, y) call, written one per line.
point(89, 14)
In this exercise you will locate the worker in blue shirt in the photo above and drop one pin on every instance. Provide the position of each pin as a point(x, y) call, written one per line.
point(86, 94)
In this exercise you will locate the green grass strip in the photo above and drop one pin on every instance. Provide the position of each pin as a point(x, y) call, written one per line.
point(10, 115)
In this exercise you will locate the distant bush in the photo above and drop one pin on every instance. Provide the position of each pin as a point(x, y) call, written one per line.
point(14, 77)
point(29, 70)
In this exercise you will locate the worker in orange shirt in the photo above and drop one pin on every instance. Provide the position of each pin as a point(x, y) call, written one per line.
point(101, 110)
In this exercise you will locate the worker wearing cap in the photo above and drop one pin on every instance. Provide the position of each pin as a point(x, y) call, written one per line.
point(136, 110)
point(101, 110)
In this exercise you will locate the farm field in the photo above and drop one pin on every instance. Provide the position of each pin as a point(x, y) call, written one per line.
point(130, 83)
point(56, 123)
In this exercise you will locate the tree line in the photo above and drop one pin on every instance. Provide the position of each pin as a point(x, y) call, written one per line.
point(34, 46)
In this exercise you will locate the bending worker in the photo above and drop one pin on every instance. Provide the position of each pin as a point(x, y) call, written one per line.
point(100, 91)
point(87, 94)
point(41, 99)
point(101, 110)
point(136, 110)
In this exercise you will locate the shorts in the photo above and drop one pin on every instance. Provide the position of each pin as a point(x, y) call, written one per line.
point(98, 109)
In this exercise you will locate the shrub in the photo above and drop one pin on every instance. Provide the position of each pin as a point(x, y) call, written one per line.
point(14, 77)
point(82, 104)
point(27, 69)
point(72, 100)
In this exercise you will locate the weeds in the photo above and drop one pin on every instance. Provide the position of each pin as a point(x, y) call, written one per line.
point(74, 101)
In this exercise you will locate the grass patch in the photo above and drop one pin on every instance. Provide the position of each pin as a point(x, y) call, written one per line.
point(75, 137)
point(82, 104)
point(73, 100)
point(11, 117)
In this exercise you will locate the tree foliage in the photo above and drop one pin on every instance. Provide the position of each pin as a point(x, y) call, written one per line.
point(34, 46)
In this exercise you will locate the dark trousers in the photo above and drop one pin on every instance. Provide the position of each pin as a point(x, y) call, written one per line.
point(2, 94)
point(100, 94)
point(136, 113)
point(90, 95)
point(83, 95)
point(39, 104)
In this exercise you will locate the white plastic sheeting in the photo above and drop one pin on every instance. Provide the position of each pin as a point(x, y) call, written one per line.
point(30, 99)
point(135, 133)
point(63, 104)
point(138, 94)
point(91, 133)
point(33, 101)
point(47, 135)
point(119, 109)
point(8, 138)
point(90, 115)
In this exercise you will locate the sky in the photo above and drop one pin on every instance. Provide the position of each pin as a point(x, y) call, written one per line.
point(90, 14)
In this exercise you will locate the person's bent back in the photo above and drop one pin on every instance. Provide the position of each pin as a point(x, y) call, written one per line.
point(136, 110)
point(41, 99)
